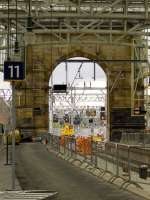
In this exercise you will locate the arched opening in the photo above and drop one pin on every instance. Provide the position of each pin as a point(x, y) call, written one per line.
point(79, 98)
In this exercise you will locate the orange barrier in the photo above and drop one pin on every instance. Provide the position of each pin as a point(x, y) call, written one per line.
point(83, 145)
point(62, 140)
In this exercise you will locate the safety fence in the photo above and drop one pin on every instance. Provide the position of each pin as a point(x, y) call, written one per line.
point(131, 162)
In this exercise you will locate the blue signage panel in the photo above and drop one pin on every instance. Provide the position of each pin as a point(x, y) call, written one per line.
point(14, 70)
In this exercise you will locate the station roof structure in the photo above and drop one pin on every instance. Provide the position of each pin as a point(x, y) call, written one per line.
point(103, 18)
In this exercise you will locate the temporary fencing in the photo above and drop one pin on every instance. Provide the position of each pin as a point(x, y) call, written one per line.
point(83, 145)
point(131, 162)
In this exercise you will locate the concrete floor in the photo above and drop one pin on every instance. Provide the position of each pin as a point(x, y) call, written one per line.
point(6, 172)
point(38, 169)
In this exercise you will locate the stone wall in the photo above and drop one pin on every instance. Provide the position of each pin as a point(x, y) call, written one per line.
point(42, 59)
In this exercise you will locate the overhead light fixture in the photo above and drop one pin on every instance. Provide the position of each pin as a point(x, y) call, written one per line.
point(29, 19)
point(16, 42)
point(8, 32)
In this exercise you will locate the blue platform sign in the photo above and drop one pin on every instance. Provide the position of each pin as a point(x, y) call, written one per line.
point(14, 70)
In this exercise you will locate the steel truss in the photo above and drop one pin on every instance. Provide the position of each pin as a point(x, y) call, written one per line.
point(70, 21)
point(140, 82)
point(5, 105)
point(6, 94)
point(76, 95)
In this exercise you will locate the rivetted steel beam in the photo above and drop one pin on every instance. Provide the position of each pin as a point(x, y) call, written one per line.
point(64, 44)
point(105, 60)
point(88, 31)
point(92, 31)
point(69, 15)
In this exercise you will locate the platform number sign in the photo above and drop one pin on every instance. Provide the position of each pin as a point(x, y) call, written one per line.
point(14, 70)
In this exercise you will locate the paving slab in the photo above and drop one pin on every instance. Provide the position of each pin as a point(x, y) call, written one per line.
point(6, 172)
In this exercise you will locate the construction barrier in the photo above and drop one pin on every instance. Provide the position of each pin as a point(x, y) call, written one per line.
point(83, 145)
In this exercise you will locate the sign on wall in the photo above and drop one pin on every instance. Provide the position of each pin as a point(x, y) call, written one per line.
point(14, 70)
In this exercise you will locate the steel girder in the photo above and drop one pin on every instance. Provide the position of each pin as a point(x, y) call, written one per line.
point(71, 20)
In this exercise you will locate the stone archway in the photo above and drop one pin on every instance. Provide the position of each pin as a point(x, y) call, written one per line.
point(79, 74)
point(42, 59)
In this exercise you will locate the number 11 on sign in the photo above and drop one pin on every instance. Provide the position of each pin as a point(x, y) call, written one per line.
point(14, 70)
point(11, 67)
